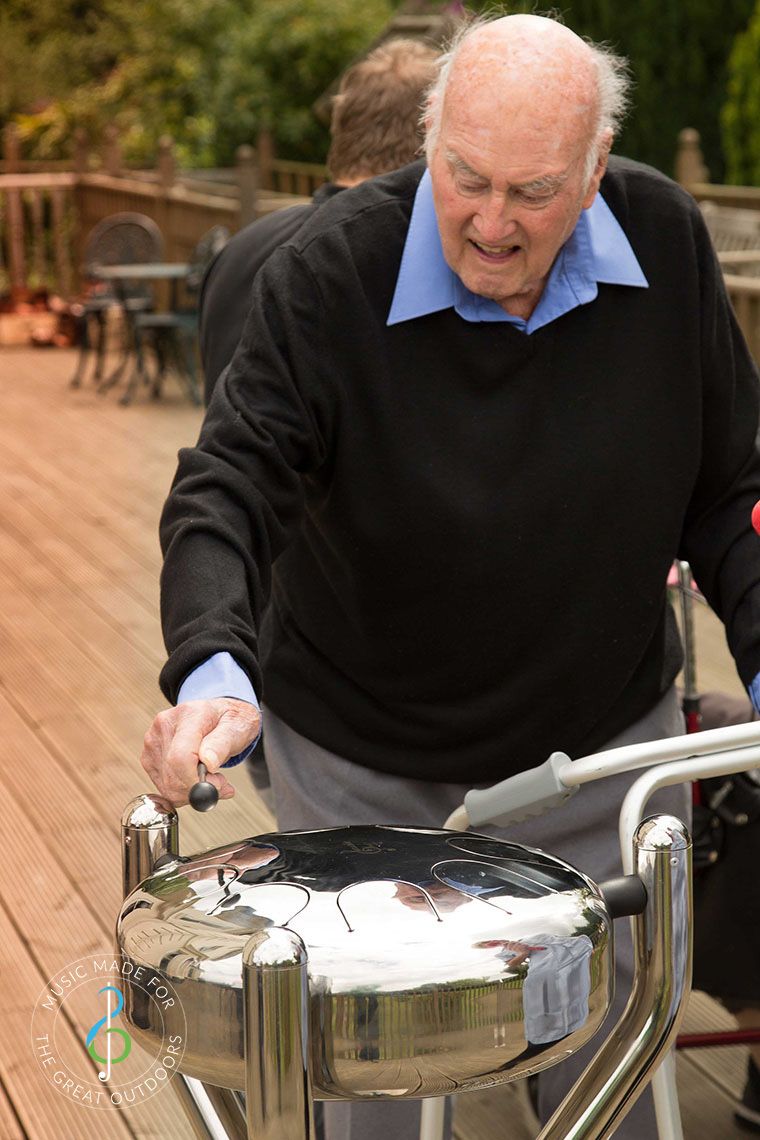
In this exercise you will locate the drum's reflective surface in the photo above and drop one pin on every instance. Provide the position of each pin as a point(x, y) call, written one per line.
point(437, 960)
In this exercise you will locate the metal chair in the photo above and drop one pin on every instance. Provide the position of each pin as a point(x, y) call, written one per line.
point(172, 335)
point(119, 239)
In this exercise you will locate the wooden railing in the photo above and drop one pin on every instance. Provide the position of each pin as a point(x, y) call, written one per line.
point(45, 217)
point(37, 224)
point(295, 177)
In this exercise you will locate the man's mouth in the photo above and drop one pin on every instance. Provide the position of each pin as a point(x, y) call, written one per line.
point(495, 253)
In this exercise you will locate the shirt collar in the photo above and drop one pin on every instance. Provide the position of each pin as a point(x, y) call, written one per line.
point(597, 252)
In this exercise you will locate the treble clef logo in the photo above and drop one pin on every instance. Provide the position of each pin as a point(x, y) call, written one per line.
point(109, 1059)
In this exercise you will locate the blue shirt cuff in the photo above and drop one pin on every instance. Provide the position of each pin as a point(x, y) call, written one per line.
point(220, 676)
point(754, 693)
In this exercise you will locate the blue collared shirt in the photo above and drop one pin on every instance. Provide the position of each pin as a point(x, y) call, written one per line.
point(596, 253)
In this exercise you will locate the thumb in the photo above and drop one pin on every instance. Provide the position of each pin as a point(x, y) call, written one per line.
point(238, 726)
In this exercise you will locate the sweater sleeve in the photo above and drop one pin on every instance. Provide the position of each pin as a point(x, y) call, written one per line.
point(238, 494)
point(718, 539)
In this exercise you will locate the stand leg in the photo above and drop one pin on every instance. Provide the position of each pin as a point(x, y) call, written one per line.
point(83, 328)
point(214, 1113)
point(276, 1013)
point(432, 1118)
point(100, 348)
point(601, 1097)
point(666, 1106)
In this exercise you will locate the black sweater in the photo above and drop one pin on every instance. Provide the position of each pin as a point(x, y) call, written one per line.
point(472, 526)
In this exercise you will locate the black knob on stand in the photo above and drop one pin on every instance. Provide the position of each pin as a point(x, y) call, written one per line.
point(203, 795)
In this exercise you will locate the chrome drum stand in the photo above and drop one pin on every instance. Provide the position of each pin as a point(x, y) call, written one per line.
point(375, 962)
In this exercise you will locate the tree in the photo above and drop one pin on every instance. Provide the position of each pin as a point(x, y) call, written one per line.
point(49, 47)
point(207, 72)
point(158, 77)
point(740, 118)
point(280, 59)
point(678, 53)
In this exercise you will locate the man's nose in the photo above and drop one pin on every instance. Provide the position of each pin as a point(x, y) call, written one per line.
point(494, 220)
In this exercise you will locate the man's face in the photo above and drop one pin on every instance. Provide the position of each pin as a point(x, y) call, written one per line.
point(508, 193)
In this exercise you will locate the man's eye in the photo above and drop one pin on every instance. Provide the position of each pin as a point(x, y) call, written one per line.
point(534, 199)
point(466, 187)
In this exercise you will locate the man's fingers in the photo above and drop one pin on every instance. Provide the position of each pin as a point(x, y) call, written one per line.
point(209, 730)
point(238, 726)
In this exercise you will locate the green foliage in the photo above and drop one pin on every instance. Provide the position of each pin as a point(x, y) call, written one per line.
point(207, 72)
point(279, 60)
point(740, 119)
point(49, 47)
point(159, 63)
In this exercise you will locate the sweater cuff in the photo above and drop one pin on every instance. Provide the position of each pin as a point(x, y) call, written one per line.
point(754, 693)
point(220, 676)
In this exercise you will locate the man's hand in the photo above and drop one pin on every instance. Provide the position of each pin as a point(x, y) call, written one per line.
point(210, 731)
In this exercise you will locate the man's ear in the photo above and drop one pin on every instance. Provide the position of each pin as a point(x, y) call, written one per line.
point(603, 152)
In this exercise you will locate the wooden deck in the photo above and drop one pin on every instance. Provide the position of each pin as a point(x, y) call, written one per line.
point(82, 483)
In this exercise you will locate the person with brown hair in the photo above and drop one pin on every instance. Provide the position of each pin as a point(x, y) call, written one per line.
point(375, 128)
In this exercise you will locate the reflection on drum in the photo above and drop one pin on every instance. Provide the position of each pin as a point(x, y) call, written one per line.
point(436, 961)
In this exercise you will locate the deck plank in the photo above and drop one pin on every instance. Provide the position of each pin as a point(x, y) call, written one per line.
point(33, 890)
point(10, 1125)
point(43, 1112)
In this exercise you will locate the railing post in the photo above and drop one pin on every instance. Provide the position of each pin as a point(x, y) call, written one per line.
point(63, 268)
point(39, 259)
point(247, 179)
point(112, 163)
point(166, 164)
point(166, 168)
point(11, 149)
point(81, 149)
point(67, 266)
point(690, 165)
point(265, 154)
point(15, 211)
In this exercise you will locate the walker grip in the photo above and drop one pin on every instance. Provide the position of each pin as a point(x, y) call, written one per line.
point(521, 796)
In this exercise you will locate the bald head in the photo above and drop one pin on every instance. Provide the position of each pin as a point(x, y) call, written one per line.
point(532, 50)
point(535, 70)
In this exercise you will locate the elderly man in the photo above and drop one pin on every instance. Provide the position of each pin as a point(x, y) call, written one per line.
point(475, 413)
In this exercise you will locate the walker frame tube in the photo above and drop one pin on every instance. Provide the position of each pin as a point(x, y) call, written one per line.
point(664, 1086)
point(618, 1073)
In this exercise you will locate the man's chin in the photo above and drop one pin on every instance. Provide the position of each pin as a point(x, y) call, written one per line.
point(511, 293)
point(484, 285)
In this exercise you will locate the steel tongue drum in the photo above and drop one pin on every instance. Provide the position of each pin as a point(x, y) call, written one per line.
point(429, 961)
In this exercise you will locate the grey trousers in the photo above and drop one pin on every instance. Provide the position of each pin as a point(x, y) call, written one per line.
point(314, 788)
